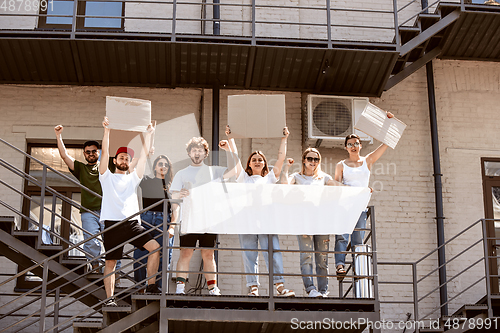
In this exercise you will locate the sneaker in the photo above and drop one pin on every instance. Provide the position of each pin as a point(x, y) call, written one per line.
point(215, 291)
point(110, 302)
point(153, 289)
point(314, 293)
point(180, 289)
point(325, 294)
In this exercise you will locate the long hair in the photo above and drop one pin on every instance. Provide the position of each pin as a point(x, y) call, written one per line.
point(317, 170)
point(265, 169)
point(170, 174)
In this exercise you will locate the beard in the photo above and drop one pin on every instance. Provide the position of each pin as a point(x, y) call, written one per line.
point(197, 159)
point(122, 167)
point(92, 159)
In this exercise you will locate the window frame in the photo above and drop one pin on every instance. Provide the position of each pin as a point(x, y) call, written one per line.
point(80, 20)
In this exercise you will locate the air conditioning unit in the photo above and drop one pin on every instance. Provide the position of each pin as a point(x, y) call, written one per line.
point(330, 119)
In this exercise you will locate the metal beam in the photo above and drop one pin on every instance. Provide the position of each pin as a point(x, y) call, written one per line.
point(428, 33)
point(412, 68)
point(262, 316)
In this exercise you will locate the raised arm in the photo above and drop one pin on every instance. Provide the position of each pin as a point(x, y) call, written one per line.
point(70, 161)
point(284, 177)
point(372, 157)
point(103, 166)
point(339, 169)
point(281, 153)
point(141, 162)
point(232, 151)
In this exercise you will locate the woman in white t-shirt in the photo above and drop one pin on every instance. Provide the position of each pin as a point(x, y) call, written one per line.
point(311, 174)
point(257, 172)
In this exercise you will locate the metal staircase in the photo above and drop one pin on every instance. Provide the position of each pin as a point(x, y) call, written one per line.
point(451, 31)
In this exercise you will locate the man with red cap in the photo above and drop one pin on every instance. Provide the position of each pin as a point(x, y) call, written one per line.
point(119, 201)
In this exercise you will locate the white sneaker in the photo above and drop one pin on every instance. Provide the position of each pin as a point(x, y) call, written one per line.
point(180, 289)
point(215, 291)
point(326, 294)
point(315, 293)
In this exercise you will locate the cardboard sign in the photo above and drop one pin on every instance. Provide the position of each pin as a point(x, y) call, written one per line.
point(256, 116)
point(128, 114)
point(374, 122)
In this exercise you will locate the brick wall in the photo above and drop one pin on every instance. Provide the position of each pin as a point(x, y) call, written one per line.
point(466, 94)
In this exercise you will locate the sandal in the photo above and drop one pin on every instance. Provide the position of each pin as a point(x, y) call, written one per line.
point(341, 272)
point(254, 291)
point(284, 292)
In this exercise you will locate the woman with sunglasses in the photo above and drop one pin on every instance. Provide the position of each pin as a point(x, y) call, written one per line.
point(354, 171)
point(155, 189)
point(311, 174)
point(257, 172)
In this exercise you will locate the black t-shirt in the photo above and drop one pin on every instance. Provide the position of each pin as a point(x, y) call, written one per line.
point(154, 190)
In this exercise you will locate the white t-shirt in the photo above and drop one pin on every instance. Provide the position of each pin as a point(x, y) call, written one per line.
point(270, 178)
point(119, 196)
point(193, 176)
point(323, 179)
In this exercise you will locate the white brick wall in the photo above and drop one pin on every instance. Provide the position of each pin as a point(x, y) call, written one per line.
point(466, 94)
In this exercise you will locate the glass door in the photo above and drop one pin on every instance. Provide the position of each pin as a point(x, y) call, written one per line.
point(491, 190)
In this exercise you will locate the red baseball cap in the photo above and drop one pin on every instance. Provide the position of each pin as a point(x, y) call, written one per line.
point(127, 150)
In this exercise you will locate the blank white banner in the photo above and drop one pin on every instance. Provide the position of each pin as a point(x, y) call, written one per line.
point(222, 208)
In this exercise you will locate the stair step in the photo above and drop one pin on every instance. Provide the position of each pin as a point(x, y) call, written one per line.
point(33, 233)
point(86, 326)
point(6, 223)
point(118, 308)
point(473, 309)
point(427, 20)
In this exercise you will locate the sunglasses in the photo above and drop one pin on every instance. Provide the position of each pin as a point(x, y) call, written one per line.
point(312, 159)
point(88, 152)
point(355, 144)
point(161, 164)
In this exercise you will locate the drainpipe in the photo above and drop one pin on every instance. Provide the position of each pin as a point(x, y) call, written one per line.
point(438, 185)
point(216, 17)
point(438, 189)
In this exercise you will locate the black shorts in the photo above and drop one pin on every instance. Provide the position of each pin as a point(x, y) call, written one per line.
point(205, 240)
point(121, 235)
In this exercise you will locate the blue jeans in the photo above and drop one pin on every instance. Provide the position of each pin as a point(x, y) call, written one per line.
point(357, 236)
point(154, 219)
point(250, 258)
point(314, 243)
point(92, 225)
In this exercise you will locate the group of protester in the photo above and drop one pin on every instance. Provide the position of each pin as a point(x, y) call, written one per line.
point(120, 201)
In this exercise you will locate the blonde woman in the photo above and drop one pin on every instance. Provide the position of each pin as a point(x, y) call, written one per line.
point(311, 174)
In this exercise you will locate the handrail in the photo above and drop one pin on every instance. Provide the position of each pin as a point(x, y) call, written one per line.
point(385, 18)
point(417, 281)
point(52, 307)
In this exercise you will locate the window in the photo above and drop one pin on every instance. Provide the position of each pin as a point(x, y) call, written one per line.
point(60, 15)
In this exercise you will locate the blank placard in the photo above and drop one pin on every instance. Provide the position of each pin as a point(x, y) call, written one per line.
point(256, 116)
point(128, 114)
point(374, 122)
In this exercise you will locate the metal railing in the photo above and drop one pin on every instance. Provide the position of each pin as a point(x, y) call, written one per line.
point(324, 22)
point(477, 243)
point(54, 296)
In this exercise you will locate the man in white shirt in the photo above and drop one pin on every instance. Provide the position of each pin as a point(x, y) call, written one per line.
point(198, 173)
point(119, 201)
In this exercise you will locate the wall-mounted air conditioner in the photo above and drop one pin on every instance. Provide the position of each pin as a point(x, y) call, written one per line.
point(329, 119)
